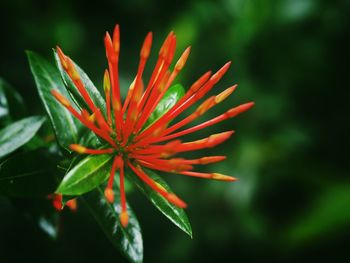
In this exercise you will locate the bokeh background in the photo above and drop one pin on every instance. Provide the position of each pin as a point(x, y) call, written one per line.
point(290, 153)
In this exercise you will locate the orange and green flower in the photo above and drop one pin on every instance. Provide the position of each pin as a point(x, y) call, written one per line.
point(126, 128)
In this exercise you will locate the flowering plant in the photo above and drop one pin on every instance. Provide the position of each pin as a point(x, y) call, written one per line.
point(125, 139)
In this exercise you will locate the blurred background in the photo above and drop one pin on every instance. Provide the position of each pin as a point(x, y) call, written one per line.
point(290, 152)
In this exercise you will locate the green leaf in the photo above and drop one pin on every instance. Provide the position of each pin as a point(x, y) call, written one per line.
point(173, 95)
point(11, 102)
point(66, 127)
point(86, 175)
point(175, 214)
point(94, 93)
point(4, 111)
point(29, 174)
point(128, 240)
point(19, 133)
point(89, 139)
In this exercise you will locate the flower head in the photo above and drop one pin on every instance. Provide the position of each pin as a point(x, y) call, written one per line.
point(123, 128)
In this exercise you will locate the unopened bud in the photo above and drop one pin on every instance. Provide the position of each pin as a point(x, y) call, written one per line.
point(222, 177)
point(146, 47)
point(218, 75)
point(239, 109)
point(106, 82)
point(223, 95)
point(63, 100)
point(218, 138)
point(172, 198)
point(62, 57)
point(109, 194)
point(124, 218)
point(71, 70)
point(211, 159)
point(182, 60)
point(164, 49)
point(116, 39)
point(77, 148)
point(72, 204)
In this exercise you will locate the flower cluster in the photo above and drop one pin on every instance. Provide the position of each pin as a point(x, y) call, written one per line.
point(129, 140)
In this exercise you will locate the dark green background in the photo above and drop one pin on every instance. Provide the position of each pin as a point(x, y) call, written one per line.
point(290, 152)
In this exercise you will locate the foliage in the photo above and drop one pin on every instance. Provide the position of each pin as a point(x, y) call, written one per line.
point(290, 155)
point(38, 176)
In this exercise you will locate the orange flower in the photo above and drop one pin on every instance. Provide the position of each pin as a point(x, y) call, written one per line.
point(57, 202)
point(123, 127)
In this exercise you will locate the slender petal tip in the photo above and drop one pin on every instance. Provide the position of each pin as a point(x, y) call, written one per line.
point(171, 50)
point(106, 82)
point(124, 218)
point(71, 70)
point(72, 204)
point(116, 39)
point(221, 72)
point(164, 49)
point(110, 49)
point(174, 199)
point(199, 82)
point(62, 57)
point(182, 60)
point(251, 104)
point(146, 48)
point(218, 138)
point(239, 109)
point(77, 148)
point(109, 194)
point(222, 177)
point(223, 95)
point(60, 98)
point(211, 159)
